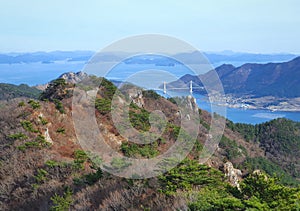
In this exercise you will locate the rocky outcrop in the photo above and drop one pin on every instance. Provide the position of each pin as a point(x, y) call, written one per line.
point(69, 77)
point(47, 136)
point(136, 97)
point(192, 104)
point(74, 77)
point(233, 175)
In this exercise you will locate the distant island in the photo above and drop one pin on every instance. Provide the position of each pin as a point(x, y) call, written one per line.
point(215, 58)
point(273, 86)
point(254, 84)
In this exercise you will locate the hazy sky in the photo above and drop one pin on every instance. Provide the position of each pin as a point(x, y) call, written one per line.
point(262, 26)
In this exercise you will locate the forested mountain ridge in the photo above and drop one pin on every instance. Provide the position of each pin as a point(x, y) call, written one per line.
point(279, 139)
point(256, 80)
point(191, 57)
point(10, 91)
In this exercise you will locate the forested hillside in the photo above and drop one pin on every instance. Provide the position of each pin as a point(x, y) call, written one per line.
point(43, 166)
point(10, 91)
point(280, 141)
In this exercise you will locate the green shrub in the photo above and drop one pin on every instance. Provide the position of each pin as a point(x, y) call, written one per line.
point(80, 154)
point(27, 125)
point(40, 141)
point(41, 175)
point(172, 100)
point(61, 130)
point(95, 160)
point(260, 190)
point(119, 164)
point(31, 144)
point(197, 149)
point(103, 105)
point(92, 178)
point(20, 136)
point(35, 186)
point(174, 130)
point(62, 203)
point(215, 199)
point(21, 104)
point(151, 94)
point(80, 157)
point(187, 174)
point(52, 163)
point(139, 118)
point(135, 150)
point(21, 148)
point(43, 120)
point(110, 89)
point(59, 82)
point(60, 164)
point(78, 180)
point(231, 148)
point(205, 124)
point(59, 106)
point(34, 104)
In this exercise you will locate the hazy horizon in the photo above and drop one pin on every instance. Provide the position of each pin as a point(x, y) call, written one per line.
point(221, 52)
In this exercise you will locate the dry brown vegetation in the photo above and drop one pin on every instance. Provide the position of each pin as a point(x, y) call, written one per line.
point(32, 172)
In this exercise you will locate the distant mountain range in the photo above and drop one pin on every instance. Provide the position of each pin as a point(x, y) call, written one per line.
point(279, 79)
point(45, 57)
point(257, 80)
point(216, 58)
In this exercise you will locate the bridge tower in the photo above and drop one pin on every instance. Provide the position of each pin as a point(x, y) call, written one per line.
point(191, 87)
point(165, 87)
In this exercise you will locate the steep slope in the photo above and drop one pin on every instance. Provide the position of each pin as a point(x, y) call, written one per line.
point(43, 165)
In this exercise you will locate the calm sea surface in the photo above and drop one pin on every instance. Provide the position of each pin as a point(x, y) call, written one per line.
point(40, 73)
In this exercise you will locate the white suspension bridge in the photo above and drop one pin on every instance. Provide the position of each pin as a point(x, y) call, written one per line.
point(191, 88)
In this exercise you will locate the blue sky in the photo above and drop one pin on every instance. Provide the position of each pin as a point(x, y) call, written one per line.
point(261, 26)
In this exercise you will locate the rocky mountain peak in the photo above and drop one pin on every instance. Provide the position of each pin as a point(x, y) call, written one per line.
point(74, 78)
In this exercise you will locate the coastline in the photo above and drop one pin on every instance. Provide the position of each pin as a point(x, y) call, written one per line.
point(268, 103)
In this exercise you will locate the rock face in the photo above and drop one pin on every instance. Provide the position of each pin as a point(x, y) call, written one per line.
point(47, 136)
point(74, 77)
point(46, 132)
point(137, 97)
point(233, 175)
point(192, 104)
point(69, 77)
